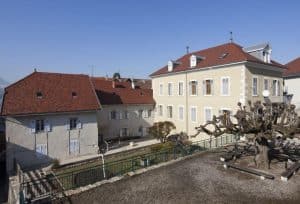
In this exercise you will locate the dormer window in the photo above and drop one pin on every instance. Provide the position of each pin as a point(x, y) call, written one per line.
point(222, 56)
point(170, 66)
point(39, 95)
point(194, 59)
point(74, 94)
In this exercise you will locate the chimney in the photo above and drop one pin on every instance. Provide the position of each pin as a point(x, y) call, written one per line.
point(113, 83)
point(132, 84)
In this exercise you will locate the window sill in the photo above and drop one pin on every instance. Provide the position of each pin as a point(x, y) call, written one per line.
point(208, 95)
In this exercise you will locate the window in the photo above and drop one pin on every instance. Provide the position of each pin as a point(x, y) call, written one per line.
point(73, 123)
point(74, 146)
point(41, 149)
point(160, 110)
point(113, 115)
point(161, 89)
point(140, 113)
point(193, 114)
point(170, 89)
point(222, 111)
point(276, 89)
point(74, 94)
point(149, 113)
point(39, 126)
point(208, 114)
point(225, 84)
point(124, 132)
point(207, 87)
point(39, 95)
point(180, 112)
point(180, 88)
point(254, 86)
point(170, 111)
point(266, 84)
point(124, 115)
point(193, 88)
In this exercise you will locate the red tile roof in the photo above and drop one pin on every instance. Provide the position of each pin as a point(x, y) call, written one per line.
point(122, 93)
point(56, 89)
point(293, 68)
point(212, 57)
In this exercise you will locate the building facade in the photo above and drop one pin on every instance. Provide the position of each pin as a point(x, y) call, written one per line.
point(292, 80)
point(193, 88)
point(126, 108)
point(49, 116)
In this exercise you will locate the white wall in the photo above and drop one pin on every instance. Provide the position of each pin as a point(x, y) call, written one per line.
point(21, 142)
point(293, 86)
point(110, 128)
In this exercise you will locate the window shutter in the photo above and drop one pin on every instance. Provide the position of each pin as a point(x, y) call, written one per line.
point(109, 115)
point(68, 125)
point(79, 125)
point(212, 87)
point(203, 87)
point(47, 126)
point(32, 126)
point(121, 115)
point(127, 114)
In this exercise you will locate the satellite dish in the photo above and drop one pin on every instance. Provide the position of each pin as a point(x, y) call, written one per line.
point(266, 93)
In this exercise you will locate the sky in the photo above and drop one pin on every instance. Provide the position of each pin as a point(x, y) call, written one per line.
point(135, 37)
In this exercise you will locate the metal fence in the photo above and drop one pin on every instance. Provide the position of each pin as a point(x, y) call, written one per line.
point(83, 177)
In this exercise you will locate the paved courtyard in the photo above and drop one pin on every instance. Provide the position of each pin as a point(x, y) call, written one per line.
point(199, 179)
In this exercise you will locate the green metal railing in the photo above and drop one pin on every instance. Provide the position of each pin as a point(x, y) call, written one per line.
point(83, 177)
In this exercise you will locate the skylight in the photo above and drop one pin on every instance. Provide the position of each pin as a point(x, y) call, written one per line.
point(39, 94)
point(222, 56)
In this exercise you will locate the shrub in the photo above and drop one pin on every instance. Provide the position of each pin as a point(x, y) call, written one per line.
point(161, 146)
point(55, 163)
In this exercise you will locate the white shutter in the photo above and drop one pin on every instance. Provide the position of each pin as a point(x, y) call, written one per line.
point(212, 87)
point(120, 115)
point(145, 113)
point(47, 126)
point(32, 126)
point(79, 125)
point(203, 87)
point(68, 125)
point(127, 114)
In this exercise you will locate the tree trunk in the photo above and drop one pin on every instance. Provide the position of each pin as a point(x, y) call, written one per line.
point(262, 157)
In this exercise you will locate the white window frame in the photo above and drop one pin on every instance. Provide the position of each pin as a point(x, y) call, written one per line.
point(170, 91)
point(211, 86)
point(182, 88)
point(257, 85)
point(268, 83)
point(181, 106)
point(76, 151)
point(172, 111)
point(278, 90)
point(40, 154)
point(162, 110)
point(196, 111)
point(229, 86)
point(190, 87)
point(211, 113)
point(126, 132)
point(161, 91)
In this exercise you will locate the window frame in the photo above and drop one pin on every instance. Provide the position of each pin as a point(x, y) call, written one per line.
point(161, 110)
point(211, 113)
point(190, 87)
point(181, 106)
point(196, 118)
point(204, 88)
point(172, 112)
point(229, 86)
point(255, 94)
point(161, 89)
point(39, 125)
point(268, 84)
point(170, 90)
point(180, 82)
point(71, 125)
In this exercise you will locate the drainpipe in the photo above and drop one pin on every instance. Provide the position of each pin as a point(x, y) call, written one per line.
point(103, 165)
point(186, 105)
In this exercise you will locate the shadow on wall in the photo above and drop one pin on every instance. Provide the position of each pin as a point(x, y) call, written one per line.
point(27, 159)
point(108, 98)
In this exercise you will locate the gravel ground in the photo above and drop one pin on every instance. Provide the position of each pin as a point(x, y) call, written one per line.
point(199, 179)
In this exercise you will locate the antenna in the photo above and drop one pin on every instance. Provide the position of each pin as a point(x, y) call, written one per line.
point(92, 70)
point(187, 49)
point(231, 38)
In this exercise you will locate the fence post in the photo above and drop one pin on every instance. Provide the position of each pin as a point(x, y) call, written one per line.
point(132, 168)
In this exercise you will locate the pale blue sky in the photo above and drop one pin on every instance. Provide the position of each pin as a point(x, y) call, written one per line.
point(135, 37)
